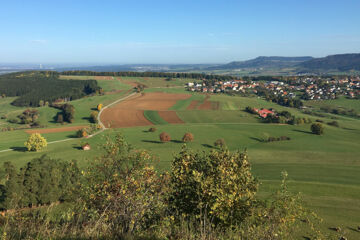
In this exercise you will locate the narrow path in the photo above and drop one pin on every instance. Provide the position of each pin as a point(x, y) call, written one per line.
point(103, 128)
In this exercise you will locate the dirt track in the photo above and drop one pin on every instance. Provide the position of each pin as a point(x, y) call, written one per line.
point(130, 112)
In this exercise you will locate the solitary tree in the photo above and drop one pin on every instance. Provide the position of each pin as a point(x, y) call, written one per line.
point(317, 128)
point(99, 106)
point(164, 137)
point(35, 142)
point(93, 116)
point(188, 137)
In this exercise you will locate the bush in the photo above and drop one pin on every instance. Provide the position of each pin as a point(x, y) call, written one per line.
point(188, 137)
point(334, 123)
point(152, 129)
point(164, 137)
point(35, 142)
point(317, 128)
point(220, 143)
point(81, 133)
point(217, 186)
point(93, 116)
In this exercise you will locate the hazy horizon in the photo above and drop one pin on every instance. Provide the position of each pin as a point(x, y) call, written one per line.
point(163, 32)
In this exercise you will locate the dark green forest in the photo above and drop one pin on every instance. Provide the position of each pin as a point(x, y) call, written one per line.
point(150, 74)
point(33, 87)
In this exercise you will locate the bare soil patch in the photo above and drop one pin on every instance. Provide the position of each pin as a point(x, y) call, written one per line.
point(130, 112)
point(103, 78)
point(55, 130)
point(192, 105)
point(170, 117)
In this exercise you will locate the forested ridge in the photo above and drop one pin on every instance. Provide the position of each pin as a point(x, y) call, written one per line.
point(151, 74)
point(33, 87)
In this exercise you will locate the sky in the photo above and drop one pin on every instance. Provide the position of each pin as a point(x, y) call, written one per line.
point(173, 31)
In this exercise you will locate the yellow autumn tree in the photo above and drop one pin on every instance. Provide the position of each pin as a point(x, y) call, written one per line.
point(99, 106)
point(35, 142)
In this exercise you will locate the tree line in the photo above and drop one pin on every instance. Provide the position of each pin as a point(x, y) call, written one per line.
point(150, 74)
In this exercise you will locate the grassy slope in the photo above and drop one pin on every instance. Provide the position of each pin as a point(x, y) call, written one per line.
point(341, 102)
point(324, 168)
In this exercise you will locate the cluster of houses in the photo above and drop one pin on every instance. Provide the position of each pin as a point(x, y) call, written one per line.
point(308, 88)
point(221, 86)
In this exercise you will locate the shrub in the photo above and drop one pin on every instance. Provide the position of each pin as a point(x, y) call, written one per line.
point(317, 128)
point(220, 143)
point(93, 116)
point(152, 129)
point(334, 123)
point(82, 133)
point(250, 110)
point(164, 137)
point(35, 142)
point(188, 137)
point(217, 186)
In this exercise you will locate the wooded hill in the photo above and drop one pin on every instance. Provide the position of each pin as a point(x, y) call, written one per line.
point(33, 87)
point(332, 63)
point(264, 62)
point(340, 62)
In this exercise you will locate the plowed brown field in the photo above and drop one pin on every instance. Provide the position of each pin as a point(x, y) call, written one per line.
point(192, 105)
point(130, 113)
point(103, 78)
point(55, 130)
point(170, 117)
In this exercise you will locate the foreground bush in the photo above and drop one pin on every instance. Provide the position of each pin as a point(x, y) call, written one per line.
point(121, 196)
point(35, 142)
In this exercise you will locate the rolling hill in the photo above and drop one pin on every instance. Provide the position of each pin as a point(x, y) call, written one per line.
point(339, 62)
point(264, 62)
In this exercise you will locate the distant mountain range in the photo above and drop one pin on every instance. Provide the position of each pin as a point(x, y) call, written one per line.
point(273, 65)
point(340, 62)
point(332, 63)
point(264, 62)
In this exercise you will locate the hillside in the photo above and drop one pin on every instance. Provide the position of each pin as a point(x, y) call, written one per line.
point(264, 62)
point(339, 62)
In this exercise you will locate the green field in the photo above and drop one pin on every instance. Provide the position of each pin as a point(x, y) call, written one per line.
point(325, 169)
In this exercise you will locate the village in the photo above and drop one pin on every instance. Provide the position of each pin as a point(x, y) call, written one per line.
point(306, 88)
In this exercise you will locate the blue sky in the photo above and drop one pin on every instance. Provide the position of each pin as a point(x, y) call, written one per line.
point(170, 31)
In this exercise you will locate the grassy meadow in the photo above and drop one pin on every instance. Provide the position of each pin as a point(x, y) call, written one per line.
point(325, 169)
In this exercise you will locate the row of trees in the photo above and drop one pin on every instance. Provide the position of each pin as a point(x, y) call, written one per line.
point(205, 196)
point(150, 74)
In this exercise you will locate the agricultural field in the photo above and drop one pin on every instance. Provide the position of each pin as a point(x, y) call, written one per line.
point(325, 169)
